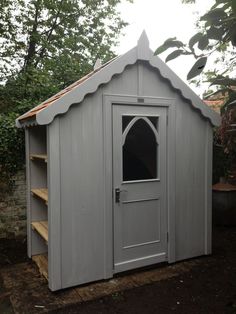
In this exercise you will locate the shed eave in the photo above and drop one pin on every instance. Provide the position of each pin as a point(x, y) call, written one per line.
point(185, 90)
point(23, 123)
point(90, 86)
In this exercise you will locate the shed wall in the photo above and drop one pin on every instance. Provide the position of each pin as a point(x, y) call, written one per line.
point(191, 192)
point(82, 175)
point(81, 154)
point(82, 185)
point(193, 138)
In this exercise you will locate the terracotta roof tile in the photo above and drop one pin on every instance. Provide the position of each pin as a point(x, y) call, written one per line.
point(30, 114)
point(215, 104)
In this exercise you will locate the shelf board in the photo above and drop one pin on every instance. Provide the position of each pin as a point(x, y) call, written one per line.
point(41, 193)
point(41, 157)
point(42, 228)
point(41, 261)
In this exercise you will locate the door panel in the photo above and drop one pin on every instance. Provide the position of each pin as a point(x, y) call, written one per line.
point(139, 183)
point(137, 230)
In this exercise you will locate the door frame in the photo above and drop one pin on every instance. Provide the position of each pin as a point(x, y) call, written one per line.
point(136, 100)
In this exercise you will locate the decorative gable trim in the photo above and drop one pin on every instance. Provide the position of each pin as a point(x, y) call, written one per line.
point(90, 84)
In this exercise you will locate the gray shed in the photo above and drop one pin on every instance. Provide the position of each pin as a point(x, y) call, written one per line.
point(119, 168)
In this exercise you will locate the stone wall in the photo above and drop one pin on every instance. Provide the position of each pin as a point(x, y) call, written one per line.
point(13, 209)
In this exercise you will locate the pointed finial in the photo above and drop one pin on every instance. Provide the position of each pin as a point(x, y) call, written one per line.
point(144, 52)
point(97, 64)
point(143, 39)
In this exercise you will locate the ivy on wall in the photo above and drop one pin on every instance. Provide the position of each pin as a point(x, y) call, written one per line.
point(11, 147)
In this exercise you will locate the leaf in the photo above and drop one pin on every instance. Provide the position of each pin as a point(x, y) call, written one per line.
point(232, 35)
point(215, 33)
point(197, 68)
point(217, 3)
point(163, 47)
point(170, 39)
point(174, 54)
point(203, 42)
point(215, 14)
point(169, 43)
point(226, 6)
point(160, 49)
point(195, 39)
point(226, 81)
point(233, 5)
point(188, 1)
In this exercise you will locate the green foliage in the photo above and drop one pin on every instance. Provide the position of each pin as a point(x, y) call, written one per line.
point(216, 36)
point(45, 46)
point(221, 163)
point(11, 146)
point(217, 32)
point(39, 33)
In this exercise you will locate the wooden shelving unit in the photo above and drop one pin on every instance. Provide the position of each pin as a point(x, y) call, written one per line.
point(38, 227)
point(41, 193)
point(42, 228)
point(40, 157)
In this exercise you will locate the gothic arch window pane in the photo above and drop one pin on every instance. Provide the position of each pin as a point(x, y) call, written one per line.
point(139, 151)
point(154, 121)
point(125, 121)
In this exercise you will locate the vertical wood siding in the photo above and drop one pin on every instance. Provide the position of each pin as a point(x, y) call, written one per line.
point(82, 176)
point(191, 191)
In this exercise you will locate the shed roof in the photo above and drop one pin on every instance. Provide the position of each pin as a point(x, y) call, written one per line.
point(60, 103)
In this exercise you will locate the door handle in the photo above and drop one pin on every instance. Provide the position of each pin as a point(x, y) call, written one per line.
point(117, 194)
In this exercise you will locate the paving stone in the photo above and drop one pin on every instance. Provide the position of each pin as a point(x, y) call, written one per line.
point(143, 278)
point(69, 296)
point(100, 289)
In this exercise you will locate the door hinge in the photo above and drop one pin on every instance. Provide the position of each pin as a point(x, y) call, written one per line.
point(167, 236)
point(167, 119)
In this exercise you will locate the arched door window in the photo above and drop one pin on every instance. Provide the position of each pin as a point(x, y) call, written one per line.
point(140, 148)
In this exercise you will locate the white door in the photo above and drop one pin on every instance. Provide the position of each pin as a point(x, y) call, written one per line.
point(139, 186)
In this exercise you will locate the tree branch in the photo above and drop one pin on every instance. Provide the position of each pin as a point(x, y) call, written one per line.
point(32, 39)
point(54, 25)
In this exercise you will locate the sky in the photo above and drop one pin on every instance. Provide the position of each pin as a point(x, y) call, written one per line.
point(162, 19)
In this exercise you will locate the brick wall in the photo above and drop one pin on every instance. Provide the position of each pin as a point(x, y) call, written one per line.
point(13, 209)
